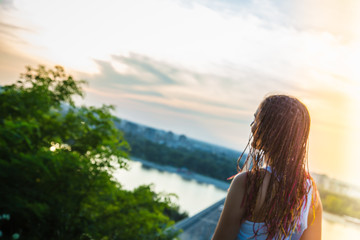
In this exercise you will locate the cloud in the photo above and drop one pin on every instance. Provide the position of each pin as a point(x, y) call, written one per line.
point(208, 37)
point(10, 27)
point(10, 32)
point(160, 85)
point(7, 4)
point(336, 17)
point(142, 64)
point(200, 66)
point(182, 52)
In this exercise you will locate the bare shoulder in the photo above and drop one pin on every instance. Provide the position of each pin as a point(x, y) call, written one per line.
point(239, 180)
point(231, 216)
point(237, 187)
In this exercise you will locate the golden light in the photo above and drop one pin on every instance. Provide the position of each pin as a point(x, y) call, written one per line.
point(317, 51)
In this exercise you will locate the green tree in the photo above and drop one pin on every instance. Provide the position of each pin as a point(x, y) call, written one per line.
point(56, 161)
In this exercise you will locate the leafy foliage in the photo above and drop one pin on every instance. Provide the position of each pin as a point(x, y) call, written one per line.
point(56, 162)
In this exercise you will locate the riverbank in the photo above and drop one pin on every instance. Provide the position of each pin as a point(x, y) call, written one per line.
point(184, 173)
point(187, 175)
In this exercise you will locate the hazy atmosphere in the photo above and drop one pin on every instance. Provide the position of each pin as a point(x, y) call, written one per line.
point(201, 68)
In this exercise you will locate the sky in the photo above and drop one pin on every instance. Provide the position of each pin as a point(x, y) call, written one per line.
point(202, 67)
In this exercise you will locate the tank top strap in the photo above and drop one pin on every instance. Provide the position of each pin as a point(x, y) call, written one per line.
point(268, 168)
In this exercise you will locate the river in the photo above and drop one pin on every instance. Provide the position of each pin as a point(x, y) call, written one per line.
point(194, 196)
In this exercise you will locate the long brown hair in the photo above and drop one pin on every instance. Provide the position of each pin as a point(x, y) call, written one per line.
point(280, 140)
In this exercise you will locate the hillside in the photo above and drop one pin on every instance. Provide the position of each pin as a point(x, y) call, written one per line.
point(166, 147)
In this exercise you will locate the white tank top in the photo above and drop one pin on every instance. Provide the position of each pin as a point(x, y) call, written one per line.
point(247, 227)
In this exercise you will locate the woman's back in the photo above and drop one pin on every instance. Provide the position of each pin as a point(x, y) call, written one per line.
point(248, 228)
point(232, 224)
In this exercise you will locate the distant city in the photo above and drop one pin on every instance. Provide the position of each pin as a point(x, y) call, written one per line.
point(173, 140)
